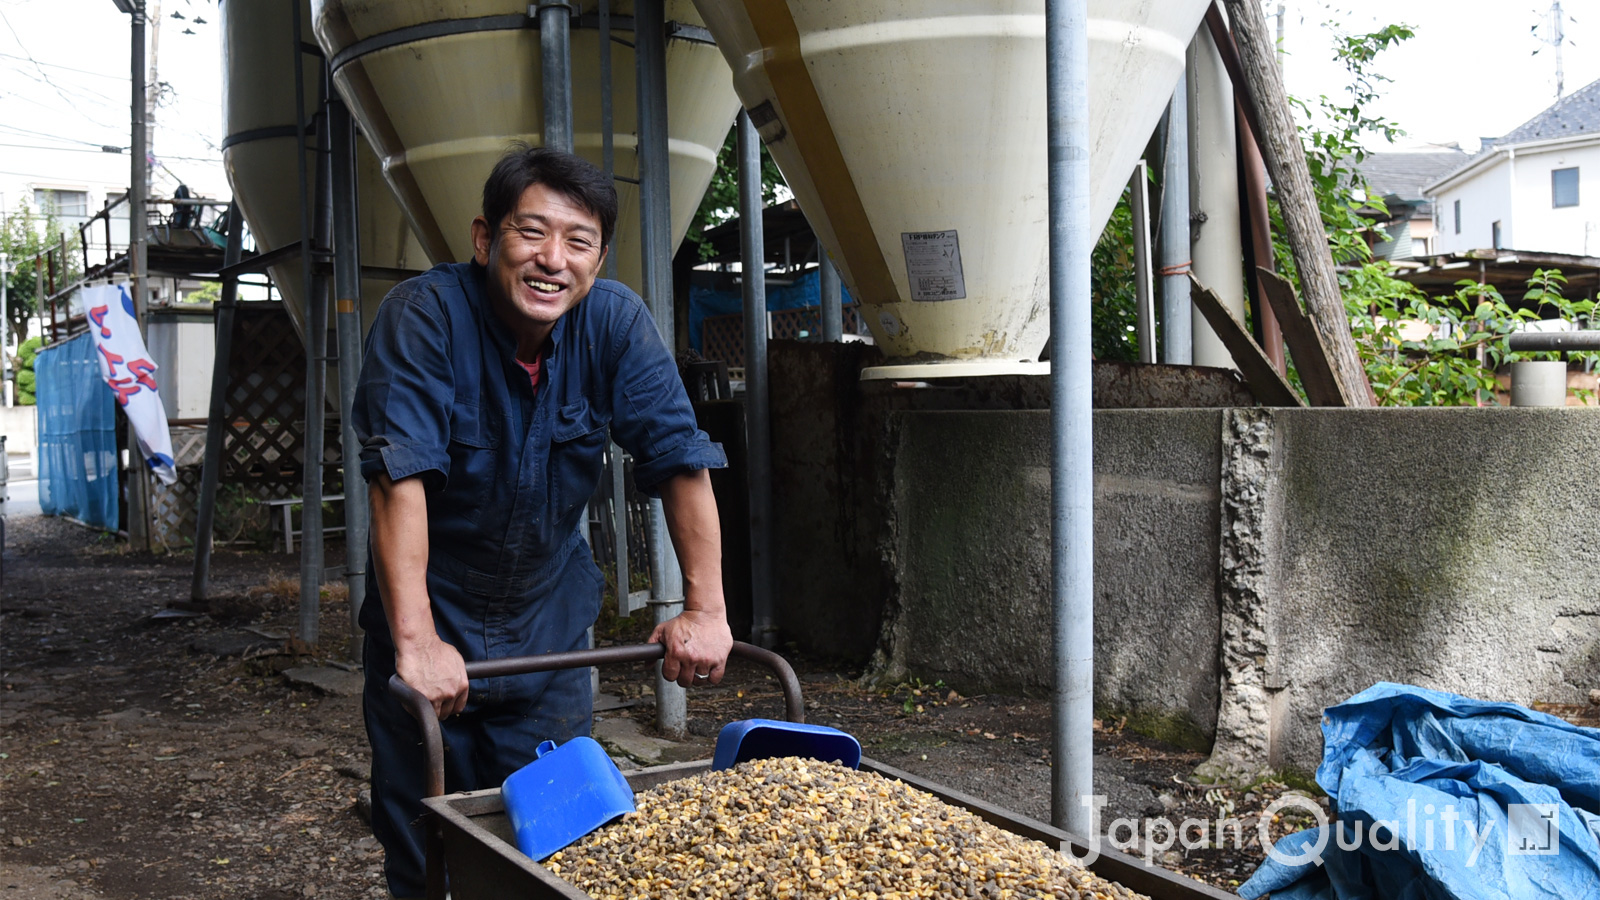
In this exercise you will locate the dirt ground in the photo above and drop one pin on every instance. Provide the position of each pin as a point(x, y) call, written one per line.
point(147, 757)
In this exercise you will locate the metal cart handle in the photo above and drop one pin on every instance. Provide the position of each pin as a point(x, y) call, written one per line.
point(433, 741)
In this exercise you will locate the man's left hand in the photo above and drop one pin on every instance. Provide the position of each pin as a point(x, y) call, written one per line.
point(697, 642)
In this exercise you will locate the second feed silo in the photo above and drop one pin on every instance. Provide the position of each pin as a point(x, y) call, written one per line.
point(913, 133)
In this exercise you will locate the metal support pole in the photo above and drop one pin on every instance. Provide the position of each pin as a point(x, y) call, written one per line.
point(1256, 239)
point(1177, 310)
point(832, 300)
point(555, 54)
point(347, 294)
point(619, 471)
point(313, 233)
point(211, 470)
point(666, 577)
point(1072, 445)
point(1144, 290)
point(138, 270)
point(757, 424)
point(608, 153)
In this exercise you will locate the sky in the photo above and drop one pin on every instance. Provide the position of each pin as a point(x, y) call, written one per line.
point(1470, 72)
point(64, 92)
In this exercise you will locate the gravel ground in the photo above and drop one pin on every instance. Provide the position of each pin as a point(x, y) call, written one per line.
point(144, 757)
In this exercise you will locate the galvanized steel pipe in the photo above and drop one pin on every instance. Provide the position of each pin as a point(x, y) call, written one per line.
point(757, 424)
point(666, 578)
point(313, 238)
point(1554, 341)
point(1072, 444)
point(347, 293)
point(555, 55)
point(832, 305)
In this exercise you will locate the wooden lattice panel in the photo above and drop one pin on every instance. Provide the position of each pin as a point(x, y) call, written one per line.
point(265, 438)
point(174, 508)
point(188, 444)
point(722, 337)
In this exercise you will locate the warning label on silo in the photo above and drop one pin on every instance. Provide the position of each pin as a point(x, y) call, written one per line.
point(933, 265)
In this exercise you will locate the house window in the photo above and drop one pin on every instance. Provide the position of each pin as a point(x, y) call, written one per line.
point(1458, 217)
point(64, 204)
point(1564, 187)
point(1496, 229)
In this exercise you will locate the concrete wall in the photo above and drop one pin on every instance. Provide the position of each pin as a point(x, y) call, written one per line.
point(20, 426)
point(1252, 566)
point(1457, 549)
point(972, 559)
point(1256, 566)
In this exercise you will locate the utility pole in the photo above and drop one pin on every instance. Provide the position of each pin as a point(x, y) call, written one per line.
point(152, 89)
point(5, 323)
point(138, 258)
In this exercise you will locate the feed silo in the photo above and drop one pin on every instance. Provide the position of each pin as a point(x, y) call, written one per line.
point(258, 151)
point(441, 89)
point(913, 133)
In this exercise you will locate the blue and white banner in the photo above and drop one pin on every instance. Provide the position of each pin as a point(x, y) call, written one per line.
point(126, 367)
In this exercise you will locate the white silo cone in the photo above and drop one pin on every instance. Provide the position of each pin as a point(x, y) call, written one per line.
point(259, 156)
point(442, 92)
point(913, 135)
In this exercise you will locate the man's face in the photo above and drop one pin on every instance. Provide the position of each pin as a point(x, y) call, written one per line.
point(542, 260)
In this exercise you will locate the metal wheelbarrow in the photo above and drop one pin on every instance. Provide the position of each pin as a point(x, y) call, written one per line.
point(469, 835)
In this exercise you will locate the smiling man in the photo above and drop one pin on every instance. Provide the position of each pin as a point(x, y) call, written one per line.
point(486, 395)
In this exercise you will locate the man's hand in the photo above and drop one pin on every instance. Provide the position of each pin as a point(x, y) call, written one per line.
point(698, 639)
point(435, 670)
point(697, 643)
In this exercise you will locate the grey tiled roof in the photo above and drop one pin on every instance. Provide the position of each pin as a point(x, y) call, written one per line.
point(1576, 113)
point(1404, 173)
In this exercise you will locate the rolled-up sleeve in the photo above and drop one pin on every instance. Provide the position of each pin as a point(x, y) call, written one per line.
point(404, 395)
point(651, 415)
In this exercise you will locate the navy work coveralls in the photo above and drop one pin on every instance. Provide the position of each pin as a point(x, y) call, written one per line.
point(507, 471)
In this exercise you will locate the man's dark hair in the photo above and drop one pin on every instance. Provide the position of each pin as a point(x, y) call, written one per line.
point(576, 178)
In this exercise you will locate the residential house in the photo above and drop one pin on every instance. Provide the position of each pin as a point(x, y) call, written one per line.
point(1535, 189)
point(1399, 177)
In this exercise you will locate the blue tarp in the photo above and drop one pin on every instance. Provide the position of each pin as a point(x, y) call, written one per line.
point(805, 291)
point(1471, 800)
point(77, 435)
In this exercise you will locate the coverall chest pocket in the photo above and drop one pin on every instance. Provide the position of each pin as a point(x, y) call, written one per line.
point(474, 437)
point(577, 445)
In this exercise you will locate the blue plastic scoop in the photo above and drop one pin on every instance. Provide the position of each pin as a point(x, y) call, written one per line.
point(762, 738)
point(563, 795)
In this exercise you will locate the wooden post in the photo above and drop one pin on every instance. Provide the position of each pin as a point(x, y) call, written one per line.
point(1269, 387)
point(1286, 161)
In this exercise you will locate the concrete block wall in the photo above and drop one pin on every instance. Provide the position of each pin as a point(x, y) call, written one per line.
point(20, 426)
point(972, 563)
point(1256, 566)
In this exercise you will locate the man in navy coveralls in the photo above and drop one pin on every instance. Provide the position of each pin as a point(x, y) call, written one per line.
point(486, 395)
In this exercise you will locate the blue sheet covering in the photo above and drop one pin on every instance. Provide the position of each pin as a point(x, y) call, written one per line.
point(1472, 800)
point(805, 291)
point(77, 435)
